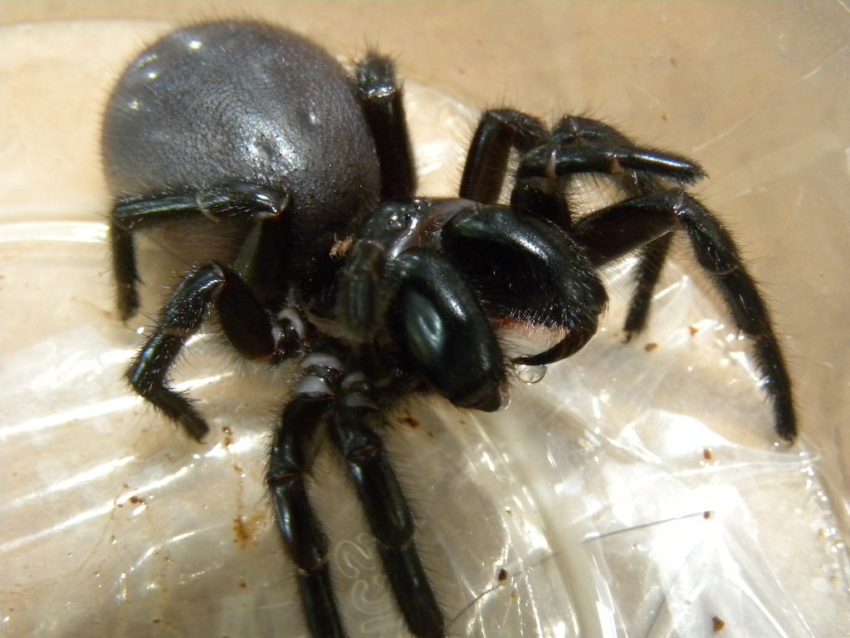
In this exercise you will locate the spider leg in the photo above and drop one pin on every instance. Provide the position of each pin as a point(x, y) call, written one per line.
point(383, 106)
point(651, 260)
point(542, 198)
point(581, 132)
point(389, 517)
point(246, 324)
point(552, 161)
point(544, 275)
point(616, 230)
point(499, 131)
point(578, 145)
point(249, 201)
point(574, 130)
point(292, 456)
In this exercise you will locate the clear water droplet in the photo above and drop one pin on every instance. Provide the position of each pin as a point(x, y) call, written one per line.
point(530, 374)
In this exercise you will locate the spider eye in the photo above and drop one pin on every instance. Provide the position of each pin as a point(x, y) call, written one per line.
point(399, 221)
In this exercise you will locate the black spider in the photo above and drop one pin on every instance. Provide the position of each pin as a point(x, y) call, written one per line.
point(299, 186)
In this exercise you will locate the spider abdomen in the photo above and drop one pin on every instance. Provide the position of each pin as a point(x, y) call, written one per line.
point(244, 102)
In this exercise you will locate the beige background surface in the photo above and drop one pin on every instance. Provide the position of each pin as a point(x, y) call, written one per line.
point(757, 92)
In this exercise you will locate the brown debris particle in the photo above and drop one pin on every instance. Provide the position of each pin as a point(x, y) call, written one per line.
point(245, 529)
point(693, 330)
point(650, 347)
point(708, 454)
point(228, 436)
point(502, 576)
point(717, 624)
point(410, 421)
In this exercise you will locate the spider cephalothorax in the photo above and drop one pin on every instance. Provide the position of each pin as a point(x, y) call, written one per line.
point(303, 176)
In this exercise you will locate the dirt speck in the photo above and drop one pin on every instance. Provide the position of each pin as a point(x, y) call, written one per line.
point(228, 436)
point(410, 421)
point(245, 529)
point(717, 624)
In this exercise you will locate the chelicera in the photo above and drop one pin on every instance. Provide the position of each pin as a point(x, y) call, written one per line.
point(309, 243)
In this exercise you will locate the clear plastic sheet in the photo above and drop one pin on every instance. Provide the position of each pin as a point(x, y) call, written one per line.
point(634, 491)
